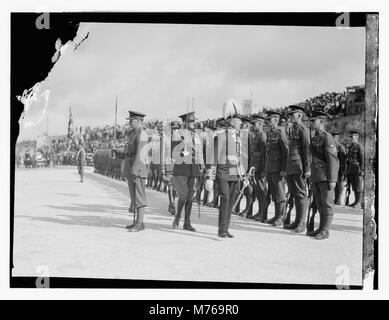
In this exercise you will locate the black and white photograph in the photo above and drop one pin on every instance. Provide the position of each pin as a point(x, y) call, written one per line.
point(194, 150)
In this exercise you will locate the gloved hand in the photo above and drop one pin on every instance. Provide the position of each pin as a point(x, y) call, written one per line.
point(307, 174)
point(332, 185)
point(208, 185)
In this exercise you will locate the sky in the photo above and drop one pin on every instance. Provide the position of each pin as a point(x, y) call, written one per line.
point(157, 68)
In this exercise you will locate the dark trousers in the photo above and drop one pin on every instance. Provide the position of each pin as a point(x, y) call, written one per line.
point(356, 182)
point(276, 186)
point(339, 187)
point(323, 196)
point(298, 186)
point(260, 191)
point(227, 191)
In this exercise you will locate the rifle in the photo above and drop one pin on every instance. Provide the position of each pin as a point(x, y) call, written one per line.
point(310, 219)
point(246, 181)
point(348, 191)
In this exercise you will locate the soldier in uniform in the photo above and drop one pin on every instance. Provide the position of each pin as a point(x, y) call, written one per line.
point(342, 156)
point(186, 171)
point(167, 165)
point(257, 151)
point(226, 170)
point(275, 166)
point(135, 167)
point(325, 166)
point(81, 160)
point(258, 156)
point(355, 167)
point(298, 167)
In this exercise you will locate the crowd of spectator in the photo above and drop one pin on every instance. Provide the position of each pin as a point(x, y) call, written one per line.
point(331, 102)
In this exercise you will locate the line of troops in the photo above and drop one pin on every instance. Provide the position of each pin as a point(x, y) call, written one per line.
point(293, 166)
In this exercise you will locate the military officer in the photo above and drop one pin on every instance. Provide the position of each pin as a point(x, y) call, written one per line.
point(298, 167)
point(226, 170)
point(135, 167)
point(342, 156)
point(275, 166)
point(81, 160)
point(186, 171)
point(257, 160)
point(325, 166)
point(171, 140)
point(355, 167)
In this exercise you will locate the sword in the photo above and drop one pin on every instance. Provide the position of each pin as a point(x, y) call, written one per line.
point(245, 178)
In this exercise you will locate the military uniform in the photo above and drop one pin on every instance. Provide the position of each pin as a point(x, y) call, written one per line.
point(81, 161)
point(325, 167)
point(135, 169)
point(227, 147)
point(186, 172)
point(342, 157)
point(298, 165)
point(276, 159)
point(258, 161)
point(170, 141)
point(355, 170)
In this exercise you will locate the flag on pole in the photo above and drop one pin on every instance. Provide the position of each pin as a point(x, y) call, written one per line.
point(71, 131)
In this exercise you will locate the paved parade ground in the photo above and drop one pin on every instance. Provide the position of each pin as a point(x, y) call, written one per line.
point(77, 230)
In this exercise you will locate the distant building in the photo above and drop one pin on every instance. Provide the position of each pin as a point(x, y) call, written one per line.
point(355, 100)
point(247, 106)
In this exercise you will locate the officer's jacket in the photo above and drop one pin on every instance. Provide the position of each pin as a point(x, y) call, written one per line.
point(188, 158)
point(276, 151)
point(325, 163)
point(342, 156)
point(136, 154)
point(169, 143)
point(299, 159)
point(227, 153)
point(355, 158)
point(258, 152)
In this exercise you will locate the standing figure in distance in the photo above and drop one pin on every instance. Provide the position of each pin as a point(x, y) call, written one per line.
point(81, 160)
point(342, 156)
point(355, 168)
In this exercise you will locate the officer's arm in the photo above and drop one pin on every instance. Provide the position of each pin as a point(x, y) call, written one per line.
point(306, 150)
point(331, 157)
point(283, 141)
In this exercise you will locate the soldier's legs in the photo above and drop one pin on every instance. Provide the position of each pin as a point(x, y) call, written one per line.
point(357, 186)
point(191, 184)
point(260, 190)
point(327, 203)
point(277, 189)
point(317, 200)
point(298, 190)
point(139, 193)
point(180, 185)
point(233, 187)
point(224, 192)
point(339, 189)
